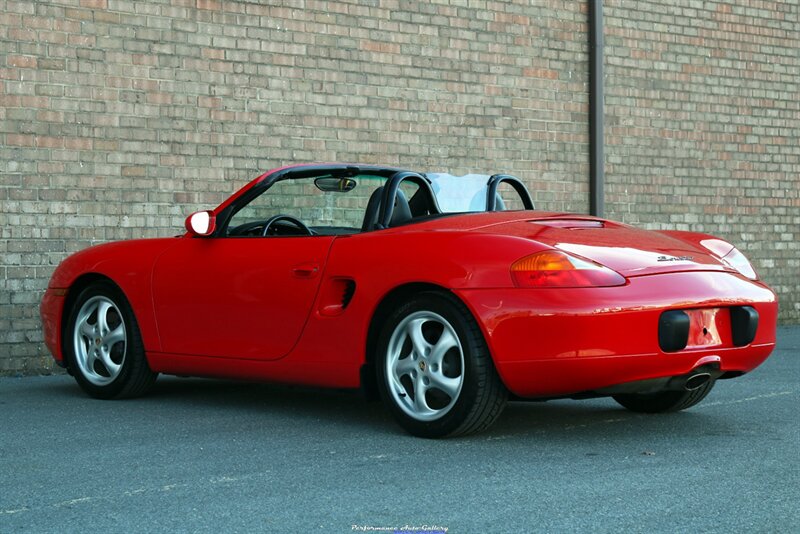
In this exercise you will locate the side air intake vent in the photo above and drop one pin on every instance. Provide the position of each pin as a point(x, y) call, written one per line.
point(349, 291)
point(337, 293)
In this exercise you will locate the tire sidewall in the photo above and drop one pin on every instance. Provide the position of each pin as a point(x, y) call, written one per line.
point(444, 306)
point(665, 401)
point(110, 291)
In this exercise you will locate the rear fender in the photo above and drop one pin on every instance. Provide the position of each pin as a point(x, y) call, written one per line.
point(388, 266)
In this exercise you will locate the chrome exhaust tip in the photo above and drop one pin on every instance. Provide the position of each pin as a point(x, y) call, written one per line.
point(696, 381)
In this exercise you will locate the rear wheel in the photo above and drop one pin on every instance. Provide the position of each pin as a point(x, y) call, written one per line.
point(103, 345)
point(664, 401)
point(434, 369)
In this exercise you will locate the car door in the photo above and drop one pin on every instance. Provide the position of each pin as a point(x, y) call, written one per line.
point(237, 297)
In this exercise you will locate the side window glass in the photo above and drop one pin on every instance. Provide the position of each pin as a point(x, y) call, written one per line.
point(322, 212)
point(250, 220)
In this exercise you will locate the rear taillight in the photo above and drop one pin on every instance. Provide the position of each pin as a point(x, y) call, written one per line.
point(553, 268)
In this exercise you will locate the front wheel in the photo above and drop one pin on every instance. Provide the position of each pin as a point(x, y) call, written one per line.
point(434, 369)
point(664, 401)
point(103, 345)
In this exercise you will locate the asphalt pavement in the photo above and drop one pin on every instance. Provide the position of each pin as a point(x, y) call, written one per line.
point(205, 455)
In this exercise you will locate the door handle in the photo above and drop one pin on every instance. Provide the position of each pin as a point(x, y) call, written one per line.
point(306, 270)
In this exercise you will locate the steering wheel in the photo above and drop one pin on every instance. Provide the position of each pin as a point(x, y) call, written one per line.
point(288, 218)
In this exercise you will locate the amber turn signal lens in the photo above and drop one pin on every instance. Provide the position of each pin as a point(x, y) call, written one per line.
point(549, 260)
point(553, 268)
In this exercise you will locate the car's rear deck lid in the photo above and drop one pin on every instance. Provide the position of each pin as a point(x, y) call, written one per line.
point(627, 250)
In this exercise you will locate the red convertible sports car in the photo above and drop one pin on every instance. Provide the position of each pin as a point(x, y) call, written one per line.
point(428, 289)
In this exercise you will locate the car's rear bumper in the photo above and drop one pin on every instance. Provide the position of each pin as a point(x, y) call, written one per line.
point(551, 342)
point(51, 312)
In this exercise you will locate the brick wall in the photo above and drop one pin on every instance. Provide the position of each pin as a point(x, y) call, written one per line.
point(703, 126)
point(118, 118)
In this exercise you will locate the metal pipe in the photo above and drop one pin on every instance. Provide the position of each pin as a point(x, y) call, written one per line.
point(696, 381)
point(596, 115)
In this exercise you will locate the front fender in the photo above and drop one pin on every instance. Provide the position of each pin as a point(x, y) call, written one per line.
point(129, 264)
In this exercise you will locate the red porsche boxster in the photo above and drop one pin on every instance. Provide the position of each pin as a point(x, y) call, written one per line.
point(445, 295)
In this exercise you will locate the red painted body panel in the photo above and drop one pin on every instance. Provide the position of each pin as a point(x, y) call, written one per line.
point(627, 250)
point(558, 341)
point(271, 309)
point(129, 264)
point(378, 262)
point(236, 297)
point(330, 374)
point(51, 312)
point(332, 348)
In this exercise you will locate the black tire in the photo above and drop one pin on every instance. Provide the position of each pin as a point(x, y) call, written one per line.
point(480, 396)
point(106, 367)
point(664, 401)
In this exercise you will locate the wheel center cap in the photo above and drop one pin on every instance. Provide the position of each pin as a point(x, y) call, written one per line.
point(97, 341)
point(422, 366)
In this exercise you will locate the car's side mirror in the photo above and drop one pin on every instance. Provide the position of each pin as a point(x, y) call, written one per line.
point(201, 223)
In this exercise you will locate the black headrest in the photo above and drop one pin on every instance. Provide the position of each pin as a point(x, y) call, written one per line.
point(373, 208)
point(401, 213)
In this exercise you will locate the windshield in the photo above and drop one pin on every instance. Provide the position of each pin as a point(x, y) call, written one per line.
point(324, 204)
point(460, 193)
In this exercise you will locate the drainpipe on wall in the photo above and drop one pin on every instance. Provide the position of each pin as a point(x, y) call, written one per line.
point(596, 116)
